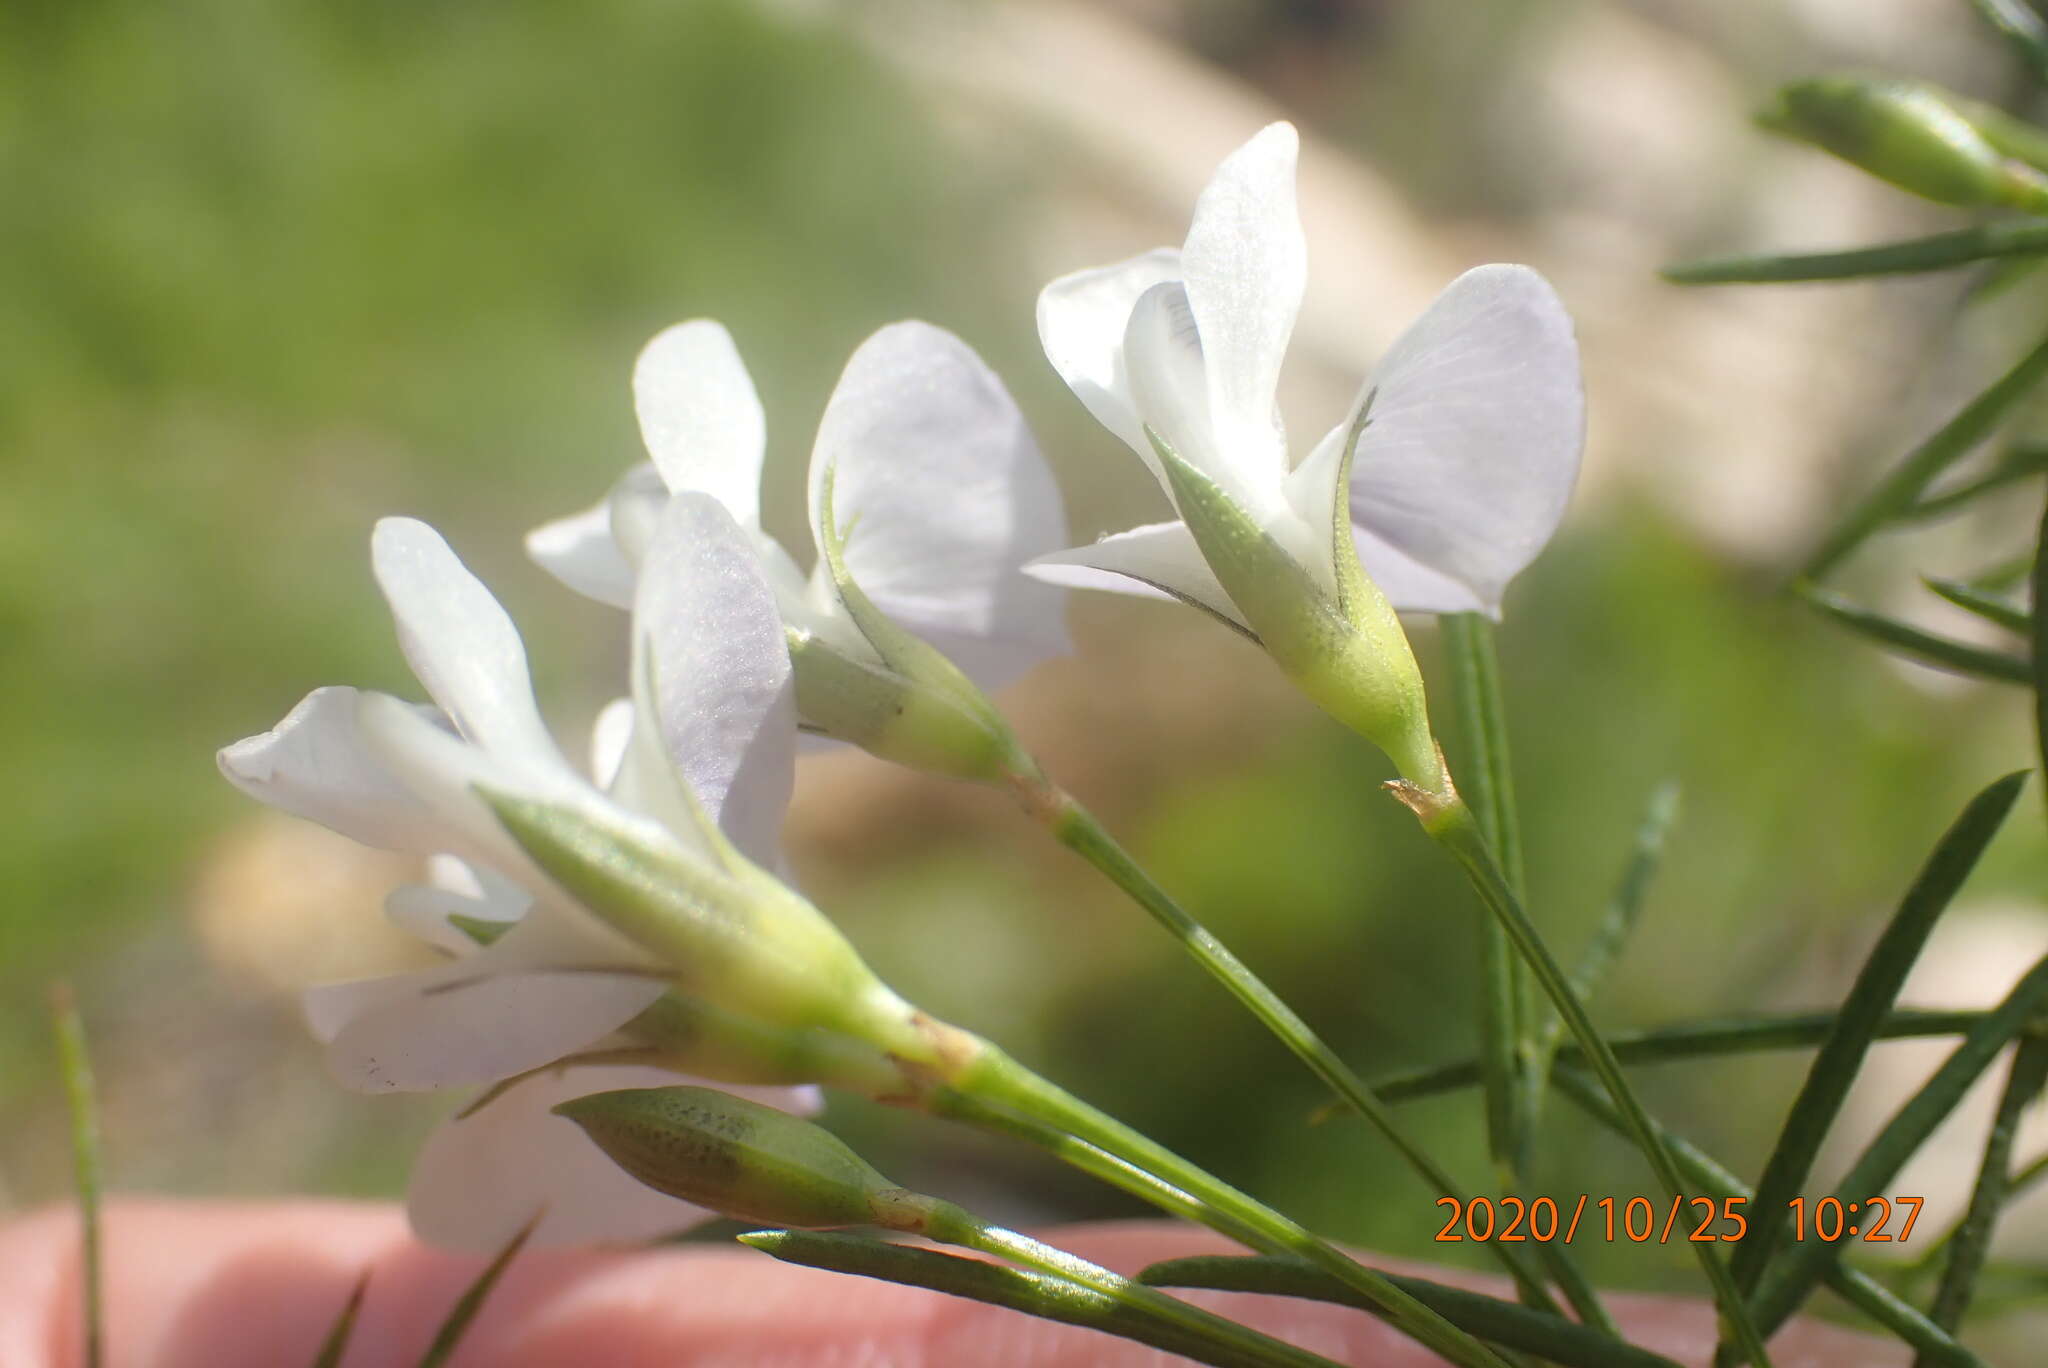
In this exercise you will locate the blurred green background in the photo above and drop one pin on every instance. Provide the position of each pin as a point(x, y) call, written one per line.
point(272, 271)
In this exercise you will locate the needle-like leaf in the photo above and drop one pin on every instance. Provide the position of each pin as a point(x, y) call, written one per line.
point(1972, 1240)
point(1869, 1001)
point(74, 1062)
point(1014, 1289)
point(336, 1343)
point(2022, 30)
point(1902, 488)
point(1923, 646)
point(1786, 1285)
point(1989, 607)
point(1694, 1040)
point(1504, 1323)
point(463, 1313)
point(1939, 252)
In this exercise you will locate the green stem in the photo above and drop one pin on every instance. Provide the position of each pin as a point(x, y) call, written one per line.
point(1451, 825)
point(1512, 1095)
point(953, 1225)
point(996, 1079)
point(75, 1064)
point(1077, 829)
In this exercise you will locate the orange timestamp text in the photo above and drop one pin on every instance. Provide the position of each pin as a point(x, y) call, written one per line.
point(1641, 1220)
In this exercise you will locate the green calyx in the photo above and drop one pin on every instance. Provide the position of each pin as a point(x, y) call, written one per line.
point(733, 1156)
point(763, 987)
point(900, 698)
point(1340, 642)
point(1910, 134)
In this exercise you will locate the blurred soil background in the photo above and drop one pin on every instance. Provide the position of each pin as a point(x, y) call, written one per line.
point(272, 271)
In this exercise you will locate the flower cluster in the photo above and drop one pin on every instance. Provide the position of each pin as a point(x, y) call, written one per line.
point(627, 925)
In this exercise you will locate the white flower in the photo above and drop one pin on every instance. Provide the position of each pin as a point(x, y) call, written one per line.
point(709, 964)
point(940, 496)
point(1467, 458)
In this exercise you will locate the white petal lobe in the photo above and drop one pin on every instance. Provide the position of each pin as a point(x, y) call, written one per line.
point(460, 642)
point(1159, 560)
point(1081, 322)
point(700, 416)
point(1246, 264)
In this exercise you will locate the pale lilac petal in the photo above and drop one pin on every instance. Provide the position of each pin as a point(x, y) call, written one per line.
point(1081, 322)
point(483, 1176)
point(1159, 560)
point(1245, 264)
point(315, 764)
point(1411, 586)
point(1472, 448)
point(541, 991)
point(580, 551)
point(711, 640)
point(941, 494)
point(700, 416)
point(460, 642)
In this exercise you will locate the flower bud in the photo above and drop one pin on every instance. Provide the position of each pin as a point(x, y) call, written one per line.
point(736, 1157)
point(1343, 646)
point(1910, 135)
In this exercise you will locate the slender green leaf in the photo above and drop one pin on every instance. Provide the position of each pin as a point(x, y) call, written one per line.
point(2022, 30)
point(1897, 493)
point(2023, 460)
point(1922, 646)
point(1500, 1322)
point(1710, 1178)
point(1869, 1001)
point(1993, 610)
point(1693, 1040)
point(1786, 1285)
point(336, 1343)
point(1453, 827)
point(1619, 920)
point(464, 1312)
point(1488, 783)
point(1014, 1289)
point(2038, 582)
point(1972, 1241)
point(74, 1062)
point(1939, 252)
point(2002, 576)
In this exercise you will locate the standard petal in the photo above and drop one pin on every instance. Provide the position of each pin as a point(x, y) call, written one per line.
point(1081, 322)
point(539, 992)
point(460, 642)
point(710, 638)
point(315, 764)
point(1245, 264)
point(1473, 441)
point(700, 416)
point(1169, 378)
point(579, 550)
point(1159, 560)
point(941, 497)
point(482, 1176)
